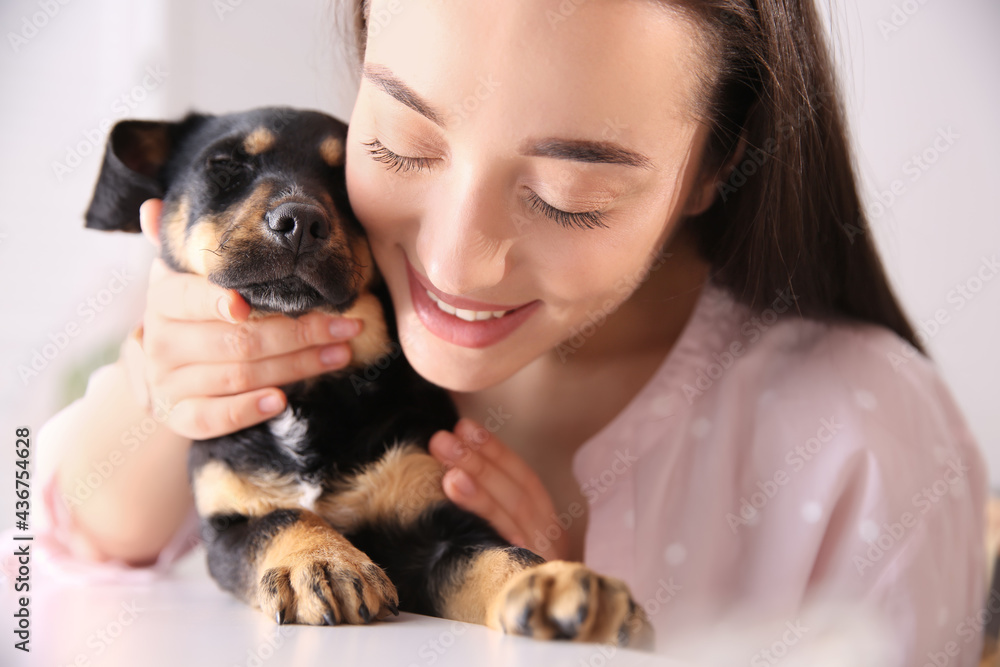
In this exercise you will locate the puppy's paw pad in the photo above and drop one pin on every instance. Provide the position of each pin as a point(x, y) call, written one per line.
point(561, 600)
point(317, 589)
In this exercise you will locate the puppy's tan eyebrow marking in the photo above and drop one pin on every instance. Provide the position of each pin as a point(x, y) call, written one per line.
point(331, 149)
point(259, 141)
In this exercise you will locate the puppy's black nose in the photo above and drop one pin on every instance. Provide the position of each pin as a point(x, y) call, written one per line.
point(297, 226)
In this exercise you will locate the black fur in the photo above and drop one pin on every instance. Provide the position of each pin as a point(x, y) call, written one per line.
point(236, 539)
point(423, 557)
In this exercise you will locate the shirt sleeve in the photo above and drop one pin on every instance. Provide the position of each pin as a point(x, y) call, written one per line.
point(905, 533)
point(60, 548)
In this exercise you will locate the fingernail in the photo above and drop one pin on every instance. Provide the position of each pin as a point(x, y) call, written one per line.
point(269, 404)
point(334, 355)
point(463, 483)
point(344, 327)
point(457, 449)
point(224, 310)
point(471, 431)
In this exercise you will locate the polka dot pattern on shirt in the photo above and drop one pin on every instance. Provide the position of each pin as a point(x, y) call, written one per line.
point(812, 512)
point(675, 554)
point(865, 400)
point(868, 530)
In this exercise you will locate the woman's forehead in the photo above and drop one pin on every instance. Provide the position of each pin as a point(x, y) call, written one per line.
point(599, 64)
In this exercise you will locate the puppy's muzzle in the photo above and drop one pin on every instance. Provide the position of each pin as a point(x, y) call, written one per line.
point(296, 226)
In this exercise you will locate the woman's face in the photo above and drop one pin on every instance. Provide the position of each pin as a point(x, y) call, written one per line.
point(520, 164)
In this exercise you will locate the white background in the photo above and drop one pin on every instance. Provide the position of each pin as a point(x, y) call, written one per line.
point(940, 69)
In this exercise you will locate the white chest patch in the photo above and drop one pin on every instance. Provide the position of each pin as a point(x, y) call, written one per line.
point(290, 431)
point(310, 494)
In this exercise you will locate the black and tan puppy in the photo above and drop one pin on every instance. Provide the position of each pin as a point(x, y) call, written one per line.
point(332, 512)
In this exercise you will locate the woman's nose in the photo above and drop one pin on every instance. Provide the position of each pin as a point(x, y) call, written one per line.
point(464, 241)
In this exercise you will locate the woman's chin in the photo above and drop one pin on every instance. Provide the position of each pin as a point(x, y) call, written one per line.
point(454, 375)
point(452, 379)
point(452, 367)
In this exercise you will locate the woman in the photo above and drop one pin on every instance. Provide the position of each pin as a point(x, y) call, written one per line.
point(685, 365)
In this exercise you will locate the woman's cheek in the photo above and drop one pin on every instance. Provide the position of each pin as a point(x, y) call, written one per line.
point(362, 187)
point(587, 267)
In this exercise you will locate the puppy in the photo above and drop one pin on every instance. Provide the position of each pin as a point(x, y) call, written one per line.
point(333, 511)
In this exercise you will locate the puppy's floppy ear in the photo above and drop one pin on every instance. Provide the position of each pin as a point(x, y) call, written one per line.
point(136, 153)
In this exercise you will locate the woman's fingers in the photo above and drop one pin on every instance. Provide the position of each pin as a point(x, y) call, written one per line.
point(490, 480)
point(174, 344)
point(508, 494)
point(464, 492)
point(149, 220)
point(486, 443)
point(189, 297)
point(227, 379)
point(203, 418)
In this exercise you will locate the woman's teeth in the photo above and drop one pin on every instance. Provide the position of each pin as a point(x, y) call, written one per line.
point(467, 315)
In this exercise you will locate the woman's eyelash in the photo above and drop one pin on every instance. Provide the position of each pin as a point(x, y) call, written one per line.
point(584, 220)
point(398, 163)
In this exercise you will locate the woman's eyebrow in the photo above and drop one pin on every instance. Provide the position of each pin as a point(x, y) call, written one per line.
point(383, 77)
point(577, 150)
point(580, 150)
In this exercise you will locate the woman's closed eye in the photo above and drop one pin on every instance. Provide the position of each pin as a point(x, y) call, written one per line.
point(580, 220)
point(398, 163)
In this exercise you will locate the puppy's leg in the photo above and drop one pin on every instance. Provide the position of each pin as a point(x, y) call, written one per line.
point(452, 564)
point(286, 561)
point(515, 591)
point(563, 600)
point(449, 563)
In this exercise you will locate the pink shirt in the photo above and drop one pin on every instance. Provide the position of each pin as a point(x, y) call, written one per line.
point(770, 471)
point(772, 468)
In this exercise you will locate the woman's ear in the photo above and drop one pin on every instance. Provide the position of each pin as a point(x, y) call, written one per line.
point(712, 182)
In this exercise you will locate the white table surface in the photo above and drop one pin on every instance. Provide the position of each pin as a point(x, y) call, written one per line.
point(186, 620)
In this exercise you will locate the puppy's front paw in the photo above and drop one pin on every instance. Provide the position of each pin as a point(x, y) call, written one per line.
point(562, 600)
point(316, 587)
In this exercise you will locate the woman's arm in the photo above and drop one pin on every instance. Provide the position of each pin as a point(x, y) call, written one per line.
point(122, 472)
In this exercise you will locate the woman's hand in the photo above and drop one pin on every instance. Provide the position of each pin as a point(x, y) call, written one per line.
point(487, 478)
point(214, 371)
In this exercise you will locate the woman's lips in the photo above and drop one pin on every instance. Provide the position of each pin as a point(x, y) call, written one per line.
point(463, 321)
point(457, 301)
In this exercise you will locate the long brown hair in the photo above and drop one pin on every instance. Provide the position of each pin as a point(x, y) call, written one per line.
point(787, 215)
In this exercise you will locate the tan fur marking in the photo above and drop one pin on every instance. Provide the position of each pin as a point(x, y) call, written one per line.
point(202, 248)
point(202, 245)
point(173, 226)
point(310, 537)
point(331, 149)
point(470, 599)
point(373, 341)
point(397, 487)
point(309, 572)
point(362, 254)
point(220, 490)
point(259, 141)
